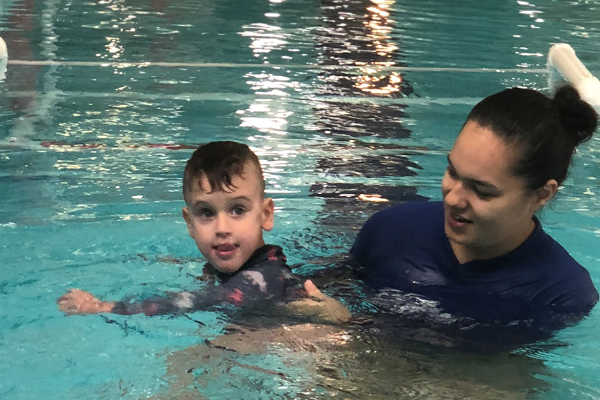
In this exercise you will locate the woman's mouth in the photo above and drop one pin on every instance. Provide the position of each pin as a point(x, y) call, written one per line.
point(456, 221)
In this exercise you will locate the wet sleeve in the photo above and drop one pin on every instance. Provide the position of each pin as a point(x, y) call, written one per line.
point(575, 297)
point(365, 241)
point(382, 237)
point(265, 282)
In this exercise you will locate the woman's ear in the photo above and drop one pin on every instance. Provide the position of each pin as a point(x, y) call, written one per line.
point(545, 193)
point(268, 214)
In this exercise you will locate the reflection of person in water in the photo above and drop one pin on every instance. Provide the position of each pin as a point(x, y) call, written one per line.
point(22, 80)
point(481, 255)
point(357, 38)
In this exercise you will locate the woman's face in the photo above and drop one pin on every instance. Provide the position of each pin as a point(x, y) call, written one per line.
point(488, 210)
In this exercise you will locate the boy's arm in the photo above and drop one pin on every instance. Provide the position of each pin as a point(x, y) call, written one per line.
point(77, 301)
point(264, 282)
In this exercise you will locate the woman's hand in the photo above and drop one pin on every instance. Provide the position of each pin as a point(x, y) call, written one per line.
point(319, 306)
point(77, 301)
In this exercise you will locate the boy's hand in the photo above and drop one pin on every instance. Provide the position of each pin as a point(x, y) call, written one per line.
point(77, 301)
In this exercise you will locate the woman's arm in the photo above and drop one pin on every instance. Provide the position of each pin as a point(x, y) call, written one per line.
point(318, 306)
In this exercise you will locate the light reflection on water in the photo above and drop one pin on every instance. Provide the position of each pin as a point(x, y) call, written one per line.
point(91, 159)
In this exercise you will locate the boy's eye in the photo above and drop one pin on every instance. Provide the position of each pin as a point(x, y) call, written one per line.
point(238, 210)
point(205, 213)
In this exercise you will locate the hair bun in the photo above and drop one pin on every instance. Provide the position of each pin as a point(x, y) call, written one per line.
point(578, 117)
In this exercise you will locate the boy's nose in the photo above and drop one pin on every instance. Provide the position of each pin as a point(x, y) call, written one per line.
point(222, 225)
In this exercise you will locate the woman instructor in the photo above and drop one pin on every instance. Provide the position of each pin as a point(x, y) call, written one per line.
point(482, 254)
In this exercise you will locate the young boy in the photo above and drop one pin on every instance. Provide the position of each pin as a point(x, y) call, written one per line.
point(226, 212)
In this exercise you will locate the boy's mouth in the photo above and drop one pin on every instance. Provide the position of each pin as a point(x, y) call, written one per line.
point(225, 251)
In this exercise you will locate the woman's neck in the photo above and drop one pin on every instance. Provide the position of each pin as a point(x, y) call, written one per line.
point(465, 254)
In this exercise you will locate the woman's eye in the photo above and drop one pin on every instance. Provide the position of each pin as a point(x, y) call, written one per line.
point(481, 194)
point(238, 210)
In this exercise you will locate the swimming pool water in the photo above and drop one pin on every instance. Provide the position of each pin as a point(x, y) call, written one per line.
point(101, 104)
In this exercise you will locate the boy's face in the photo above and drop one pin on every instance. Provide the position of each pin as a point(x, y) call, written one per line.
point(227, 225)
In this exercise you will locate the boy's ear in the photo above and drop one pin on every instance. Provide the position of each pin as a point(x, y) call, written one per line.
point(185, 212)
point(268, 214)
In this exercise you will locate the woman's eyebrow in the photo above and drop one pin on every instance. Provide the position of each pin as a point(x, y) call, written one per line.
point(473, 180)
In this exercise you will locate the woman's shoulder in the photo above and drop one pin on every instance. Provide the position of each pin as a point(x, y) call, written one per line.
point(390, 230)
point(417, 211)
point(567, 283)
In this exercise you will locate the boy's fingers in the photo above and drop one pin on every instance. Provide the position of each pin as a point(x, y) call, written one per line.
point(68, 307)
point(65, 296)
point(62, 299)
point(70, 295)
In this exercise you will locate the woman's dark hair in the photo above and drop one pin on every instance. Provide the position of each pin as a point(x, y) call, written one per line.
point(545, 130)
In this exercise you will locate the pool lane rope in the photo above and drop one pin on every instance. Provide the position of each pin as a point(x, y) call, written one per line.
point(561, 58)
point(3, 59)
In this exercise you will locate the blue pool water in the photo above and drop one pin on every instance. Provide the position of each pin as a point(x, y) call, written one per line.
point(101, 104)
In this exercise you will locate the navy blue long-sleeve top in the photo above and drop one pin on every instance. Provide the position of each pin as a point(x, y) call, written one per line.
point(405, 248)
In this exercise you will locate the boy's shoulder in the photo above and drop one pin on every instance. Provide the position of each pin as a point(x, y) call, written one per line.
point(267, 254)
point(267, 257)
point(265, 275)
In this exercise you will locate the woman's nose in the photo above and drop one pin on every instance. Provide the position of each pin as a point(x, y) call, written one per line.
point(454, 193)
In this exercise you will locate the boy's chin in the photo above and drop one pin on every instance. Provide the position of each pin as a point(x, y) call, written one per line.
point(226, 268)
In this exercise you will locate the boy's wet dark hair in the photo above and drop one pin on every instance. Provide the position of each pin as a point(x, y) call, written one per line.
point(219, 162)
point(546, 131)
